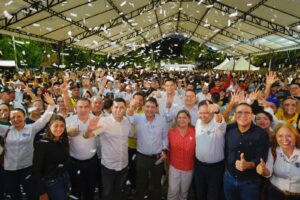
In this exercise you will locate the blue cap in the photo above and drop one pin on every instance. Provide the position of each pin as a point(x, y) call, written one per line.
point(274, 100)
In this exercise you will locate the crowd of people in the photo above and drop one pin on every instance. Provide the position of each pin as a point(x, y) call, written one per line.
point(124, 132)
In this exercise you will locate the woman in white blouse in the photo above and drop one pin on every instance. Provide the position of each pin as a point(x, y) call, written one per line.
point(283, 164)
point(19, 151)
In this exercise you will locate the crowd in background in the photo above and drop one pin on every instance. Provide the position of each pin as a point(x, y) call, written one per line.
point(216, 134)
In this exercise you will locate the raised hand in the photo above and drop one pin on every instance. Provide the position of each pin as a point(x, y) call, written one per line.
point(64, 87)
point(27, 89)
point(93, 124)
point(48, 99)
point(92, 127)
point(212, 108)
point(103, 81)
point(255, 95)
point(271, 78)
point(158, 94)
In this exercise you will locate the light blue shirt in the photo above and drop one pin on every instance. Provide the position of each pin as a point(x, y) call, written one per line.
point(152, 137)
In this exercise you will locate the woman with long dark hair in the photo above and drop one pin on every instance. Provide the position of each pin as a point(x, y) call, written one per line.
point(51, 161)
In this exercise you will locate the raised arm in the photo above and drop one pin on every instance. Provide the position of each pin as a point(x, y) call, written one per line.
point(270, 79)
point(67, 99)
point(41, 122)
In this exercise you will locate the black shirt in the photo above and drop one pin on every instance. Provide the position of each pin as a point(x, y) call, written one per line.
point(50, 160)
point(254, 143)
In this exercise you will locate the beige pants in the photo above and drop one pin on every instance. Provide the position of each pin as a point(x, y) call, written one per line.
point(179, 183)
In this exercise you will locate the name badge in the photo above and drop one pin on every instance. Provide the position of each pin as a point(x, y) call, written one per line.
point(26, 134)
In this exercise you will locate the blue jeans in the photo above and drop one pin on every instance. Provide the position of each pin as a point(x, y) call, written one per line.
point(236, 189)
point(57, 189)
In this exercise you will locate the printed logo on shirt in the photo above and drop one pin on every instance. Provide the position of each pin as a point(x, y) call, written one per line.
point(26, 134)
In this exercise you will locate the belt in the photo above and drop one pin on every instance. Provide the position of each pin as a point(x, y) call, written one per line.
point(84, 161)
point(149, 156)
point(211, 164)
point(286, 193)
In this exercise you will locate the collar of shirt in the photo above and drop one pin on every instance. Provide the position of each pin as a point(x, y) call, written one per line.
point(250, 130)
point(294, 157)
point(195, 107)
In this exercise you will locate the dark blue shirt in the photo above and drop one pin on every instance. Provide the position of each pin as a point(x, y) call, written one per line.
point(254, 143)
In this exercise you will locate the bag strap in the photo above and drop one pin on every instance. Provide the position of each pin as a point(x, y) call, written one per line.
point(5, 135)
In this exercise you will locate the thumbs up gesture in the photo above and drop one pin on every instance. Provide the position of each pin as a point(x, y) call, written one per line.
point(261, 168)
point(241, 164)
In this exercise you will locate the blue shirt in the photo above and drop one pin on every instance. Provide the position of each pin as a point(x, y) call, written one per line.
point(152, 137)
point(254, 143)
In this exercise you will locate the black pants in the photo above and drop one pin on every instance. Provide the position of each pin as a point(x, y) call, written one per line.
point(209, 180)
point(273, 193)
point(145, 165)
point(2, 183)
point(13, 180)
point(83, 176)
point(99, 178)
point(112, 183)
point(132, 170)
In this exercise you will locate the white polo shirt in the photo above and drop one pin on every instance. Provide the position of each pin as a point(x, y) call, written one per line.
point(80, 147)
point(210, 140)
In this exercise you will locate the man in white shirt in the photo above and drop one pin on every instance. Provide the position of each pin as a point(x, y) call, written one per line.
point(204, 95)
point(210, 138)
point(190, 104)
point(83, 167)
point(114, 131)
point(169, 99)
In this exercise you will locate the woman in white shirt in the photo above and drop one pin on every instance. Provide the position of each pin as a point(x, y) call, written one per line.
point(283, 164)
point(19, 151)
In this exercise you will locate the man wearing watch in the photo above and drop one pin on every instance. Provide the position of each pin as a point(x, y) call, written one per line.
point(152, 145)
point(210, 137)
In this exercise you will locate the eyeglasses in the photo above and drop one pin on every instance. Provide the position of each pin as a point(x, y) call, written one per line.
point(240, 113)
point(287, 105)
point(203, 113)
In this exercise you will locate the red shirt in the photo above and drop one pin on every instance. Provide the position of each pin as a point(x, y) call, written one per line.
point(223, 87)
point(182, 149)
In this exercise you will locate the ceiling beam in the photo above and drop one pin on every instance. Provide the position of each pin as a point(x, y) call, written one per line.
point(178, 17)
point(111, 3)
point(139, 43)
point(157, 21)
point(199, 22)
point(223, 33)
point(260, 22)
point(80, 21)
point(284, 12)
point(28, 11)
point(115, 22)
point(224, 8)
point(137, 33)
point(48, 17)
point(63, 17)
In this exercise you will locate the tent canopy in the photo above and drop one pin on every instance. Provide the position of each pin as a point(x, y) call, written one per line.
point(112, 26)
point(240, 65)
point(7, 63)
